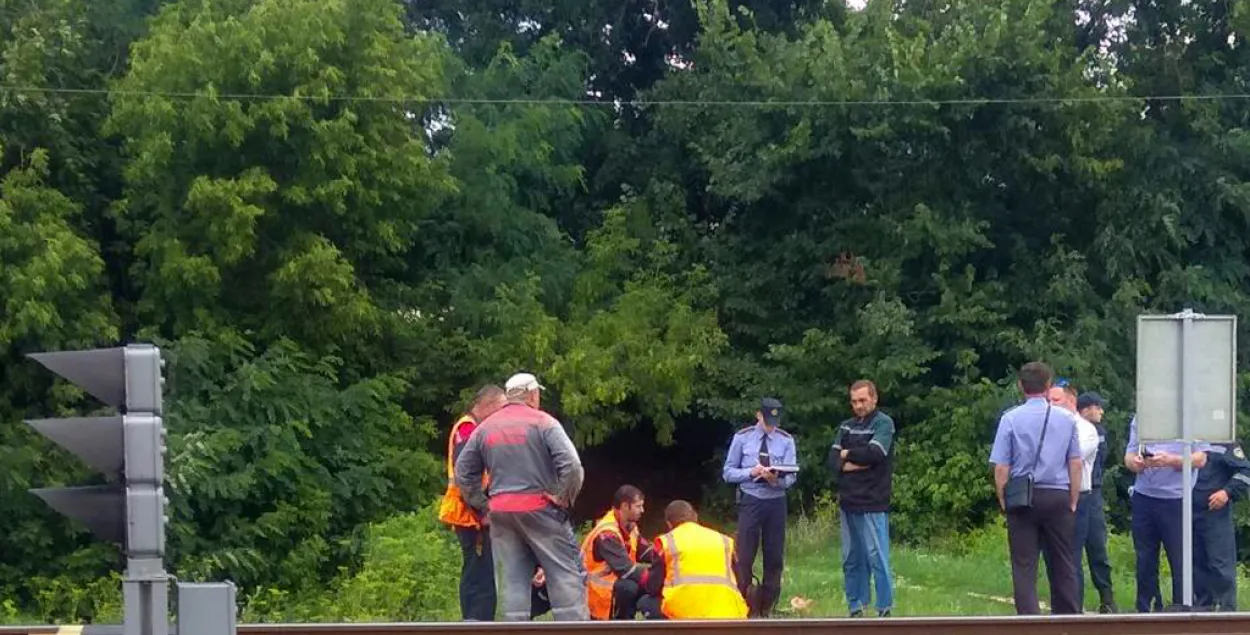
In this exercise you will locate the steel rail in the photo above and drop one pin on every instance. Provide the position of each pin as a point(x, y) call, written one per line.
point(1130, 624)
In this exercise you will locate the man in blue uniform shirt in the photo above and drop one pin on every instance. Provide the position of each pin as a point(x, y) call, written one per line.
point(751, 463)
point(1038, 442)
point(1157, 513)
point(1224, 479)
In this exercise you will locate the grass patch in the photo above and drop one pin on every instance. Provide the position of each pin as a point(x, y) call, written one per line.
point(964, 576)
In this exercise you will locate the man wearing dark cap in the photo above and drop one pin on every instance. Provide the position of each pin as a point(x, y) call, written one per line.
point(762, 462)
point(1091, 518)
point(862, 462)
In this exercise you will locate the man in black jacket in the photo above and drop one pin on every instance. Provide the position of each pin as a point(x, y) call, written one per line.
point(862, 463)
point(1091, 519)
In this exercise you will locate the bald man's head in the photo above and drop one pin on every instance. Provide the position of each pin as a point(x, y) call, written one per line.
point(678, 512)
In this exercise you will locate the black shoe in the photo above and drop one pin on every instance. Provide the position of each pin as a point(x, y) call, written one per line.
point(857, 613)
point(1106, 602)
point(885, 613)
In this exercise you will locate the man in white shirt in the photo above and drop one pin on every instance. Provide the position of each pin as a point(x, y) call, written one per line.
point(1063, 395)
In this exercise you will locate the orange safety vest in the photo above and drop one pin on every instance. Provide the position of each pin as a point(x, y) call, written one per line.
point(600, 577)
point(453, 509)
point(699, 580)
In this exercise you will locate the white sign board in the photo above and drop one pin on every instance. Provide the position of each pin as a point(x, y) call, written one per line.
point(1206, 363)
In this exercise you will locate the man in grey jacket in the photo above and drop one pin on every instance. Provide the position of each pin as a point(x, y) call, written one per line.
point(535, 475)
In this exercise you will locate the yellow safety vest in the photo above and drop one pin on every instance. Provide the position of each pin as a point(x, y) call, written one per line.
point(699, 580)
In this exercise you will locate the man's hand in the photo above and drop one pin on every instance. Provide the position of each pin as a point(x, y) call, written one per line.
point(771, 477)
point(1218, 500)
point(1136, 464)
point(1073, 503)
point(852, 467)
point(757, 471)
point(1164, 459)
point(845, 453)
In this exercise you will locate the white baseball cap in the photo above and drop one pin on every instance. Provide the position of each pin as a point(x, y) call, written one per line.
point(523, 382)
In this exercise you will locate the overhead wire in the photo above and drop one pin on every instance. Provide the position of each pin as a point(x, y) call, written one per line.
point(535, 101)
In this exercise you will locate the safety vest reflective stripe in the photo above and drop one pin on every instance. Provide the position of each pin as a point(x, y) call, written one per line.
point(452, 509)
point(679, 579)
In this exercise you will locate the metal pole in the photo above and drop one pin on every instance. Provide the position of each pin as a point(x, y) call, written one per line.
point(146, 597)
point(1187, 497)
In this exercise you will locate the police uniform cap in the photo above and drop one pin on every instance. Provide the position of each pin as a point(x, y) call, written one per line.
point(1089, 399)
point(772, 410)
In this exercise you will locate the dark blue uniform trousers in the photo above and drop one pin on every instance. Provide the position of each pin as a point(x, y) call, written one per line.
point(761, 520)
point(477, 575)
point(1091, 539)
point(1156, 521)
point(1215, 556)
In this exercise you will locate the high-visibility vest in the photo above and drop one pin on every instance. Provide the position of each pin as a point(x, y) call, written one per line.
point(600, 577)
point(453, 509)
point(699, 580)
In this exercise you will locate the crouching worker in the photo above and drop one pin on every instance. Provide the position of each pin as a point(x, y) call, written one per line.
point(614, 556)
point(693, 572)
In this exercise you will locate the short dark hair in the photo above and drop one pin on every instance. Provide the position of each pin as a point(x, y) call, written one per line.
point(1035, 378)
point(487, 393)
point(626, 494)
point(679, 511)
point(865, 383)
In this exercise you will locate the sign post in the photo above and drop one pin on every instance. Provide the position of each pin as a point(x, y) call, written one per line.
point(1186, 391)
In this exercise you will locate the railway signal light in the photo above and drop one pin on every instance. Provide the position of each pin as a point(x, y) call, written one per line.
point(129, 449)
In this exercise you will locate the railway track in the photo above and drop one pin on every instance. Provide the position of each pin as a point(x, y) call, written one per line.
point(1154, 624)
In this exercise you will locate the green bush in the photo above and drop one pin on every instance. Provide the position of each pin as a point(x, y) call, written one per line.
point(410, 572)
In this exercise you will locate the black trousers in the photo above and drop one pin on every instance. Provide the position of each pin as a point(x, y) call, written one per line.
point(1048, 527)
point(625, 596)
point(761, 521)
point(649, 605)
point(477, 575)
point(1215, 555)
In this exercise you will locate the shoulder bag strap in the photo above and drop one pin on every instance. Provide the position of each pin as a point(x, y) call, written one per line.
point(1040, 442)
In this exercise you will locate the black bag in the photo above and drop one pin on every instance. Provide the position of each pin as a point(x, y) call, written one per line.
point(1018, 493)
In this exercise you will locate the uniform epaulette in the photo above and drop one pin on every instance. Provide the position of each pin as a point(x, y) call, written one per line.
point(782, 432)
point(744, 430)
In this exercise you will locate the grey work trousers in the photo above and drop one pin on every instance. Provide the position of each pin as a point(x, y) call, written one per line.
point(525, 540)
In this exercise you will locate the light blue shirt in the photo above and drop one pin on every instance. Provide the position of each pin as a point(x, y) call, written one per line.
point(1161, 482)
point(1020, 431)
point(744, 453)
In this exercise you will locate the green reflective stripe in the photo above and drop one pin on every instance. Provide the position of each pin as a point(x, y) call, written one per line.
point(679, 579)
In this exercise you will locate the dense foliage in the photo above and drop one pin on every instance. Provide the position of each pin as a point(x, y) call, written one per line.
point(341, 217)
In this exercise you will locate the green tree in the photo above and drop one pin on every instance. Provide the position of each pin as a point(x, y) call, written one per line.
point(275, 213)
point(52, 295)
